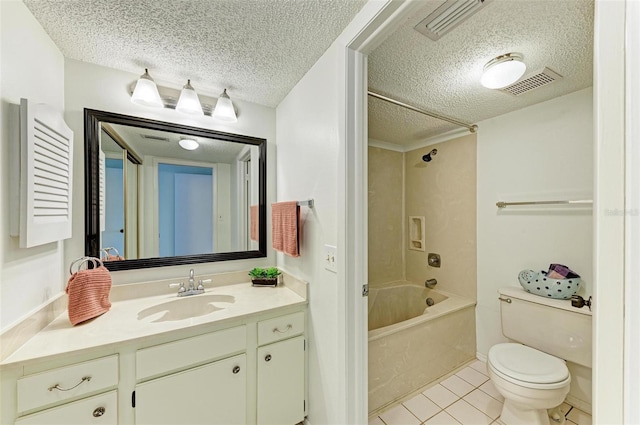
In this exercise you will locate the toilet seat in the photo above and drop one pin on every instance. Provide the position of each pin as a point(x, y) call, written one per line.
point(527, 367)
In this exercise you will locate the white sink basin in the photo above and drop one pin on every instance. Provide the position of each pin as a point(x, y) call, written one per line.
point(185, 308)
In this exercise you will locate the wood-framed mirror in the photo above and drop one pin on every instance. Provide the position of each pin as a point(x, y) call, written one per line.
point(151, 202)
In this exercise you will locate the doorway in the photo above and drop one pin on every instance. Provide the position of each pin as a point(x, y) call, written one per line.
point(185, 209)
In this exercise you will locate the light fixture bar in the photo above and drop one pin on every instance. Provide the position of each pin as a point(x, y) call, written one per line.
point(471, 127)
point(170, 97)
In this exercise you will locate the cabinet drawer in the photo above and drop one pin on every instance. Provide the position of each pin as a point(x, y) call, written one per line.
point(280, 328)
point(98, 410)
point(175, 355)
point(64, 383)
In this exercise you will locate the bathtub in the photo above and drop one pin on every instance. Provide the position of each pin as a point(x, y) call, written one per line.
point(412, 344)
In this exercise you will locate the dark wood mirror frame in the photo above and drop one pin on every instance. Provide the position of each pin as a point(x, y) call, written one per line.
point(92, 120)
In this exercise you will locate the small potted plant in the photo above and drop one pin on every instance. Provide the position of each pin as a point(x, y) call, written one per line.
point(267, 276)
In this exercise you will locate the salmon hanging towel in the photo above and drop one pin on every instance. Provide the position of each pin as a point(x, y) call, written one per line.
point(88, 292)
point(285, 221)
point(255, 222)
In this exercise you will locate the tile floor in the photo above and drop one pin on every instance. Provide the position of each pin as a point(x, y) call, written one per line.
point(466, 398)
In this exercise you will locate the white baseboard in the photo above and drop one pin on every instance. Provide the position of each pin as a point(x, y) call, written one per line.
point(481, 357)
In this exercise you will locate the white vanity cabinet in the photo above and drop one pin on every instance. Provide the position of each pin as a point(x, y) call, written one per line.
point(213, 393)
point(247, 368)
point(281, 371)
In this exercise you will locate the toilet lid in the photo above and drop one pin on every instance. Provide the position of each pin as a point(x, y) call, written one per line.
point(527, 364)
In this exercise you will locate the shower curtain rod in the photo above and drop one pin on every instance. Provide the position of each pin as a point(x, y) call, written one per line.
point(471, 127)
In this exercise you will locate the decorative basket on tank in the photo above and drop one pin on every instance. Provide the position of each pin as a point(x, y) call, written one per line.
point(540, 283)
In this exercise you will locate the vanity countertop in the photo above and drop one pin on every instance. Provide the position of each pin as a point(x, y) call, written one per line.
point(121, 324)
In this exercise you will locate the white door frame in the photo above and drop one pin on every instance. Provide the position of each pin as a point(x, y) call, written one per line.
point(632, 216)
point(378, 21)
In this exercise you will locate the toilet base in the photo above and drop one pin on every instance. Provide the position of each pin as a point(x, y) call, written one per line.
point(513, 414)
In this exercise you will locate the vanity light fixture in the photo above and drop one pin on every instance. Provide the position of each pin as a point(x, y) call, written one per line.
point(224, 110)
point(188, 144)
point(503, 70)
point(189, 103)
point(146, 92)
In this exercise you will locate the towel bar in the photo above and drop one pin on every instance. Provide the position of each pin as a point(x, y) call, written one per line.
point(307, 203)
point(502, 204)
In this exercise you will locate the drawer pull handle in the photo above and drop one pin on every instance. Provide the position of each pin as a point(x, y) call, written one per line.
point(99, 412)
point(236, 369)
point(57, 386)
point(267, 358)
point(287, 329)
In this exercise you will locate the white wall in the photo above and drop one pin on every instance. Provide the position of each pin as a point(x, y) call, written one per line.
point(307, 158)
point(32, 68)
point(542, 152)
point(97, 87)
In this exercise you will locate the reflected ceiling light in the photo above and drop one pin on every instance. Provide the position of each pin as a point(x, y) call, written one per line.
point(503, 70)
point(189, 103)
point(189, 144)
point(224, 110)
point(146, 92)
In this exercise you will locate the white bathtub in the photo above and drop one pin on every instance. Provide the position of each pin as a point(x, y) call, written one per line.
point(412, 344)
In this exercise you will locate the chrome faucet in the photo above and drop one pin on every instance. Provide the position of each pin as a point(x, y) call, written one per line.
point(192, 290)
point(430, 283)
point(191, 281)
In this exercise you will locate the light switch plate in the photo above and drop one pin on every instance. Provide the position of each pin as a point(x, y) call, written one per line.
point(330, 258)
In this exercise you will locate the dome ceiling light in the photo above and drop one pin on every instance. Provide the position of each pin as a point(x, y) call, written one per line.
point(503, 70)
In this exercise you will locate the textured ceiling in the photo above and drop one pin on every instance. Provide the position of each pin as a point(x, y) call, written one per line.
point(210, 150)
point(258, 49)
point(443, 76)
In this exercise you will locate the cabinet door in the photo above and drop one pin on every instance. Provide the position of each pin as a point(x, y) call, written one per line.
point(98, 410)
point(281, 382)
point(211, 394)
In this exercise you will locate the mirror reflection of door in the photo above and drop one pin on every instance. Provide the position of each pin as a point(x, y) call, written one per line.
point(247, 189)
point(119, 197)
point(185, 209)
point(113, 234)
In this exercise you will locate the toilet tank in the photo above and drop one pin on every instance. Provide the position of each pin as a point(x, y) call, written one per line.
point(549, 325)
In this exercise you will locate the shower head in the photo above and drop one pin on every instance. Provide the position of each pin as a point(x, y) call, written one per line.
point(427, 157)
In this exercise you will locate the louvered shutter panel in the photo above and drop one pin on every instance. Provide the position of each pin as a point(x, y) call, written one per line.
point(46, 161)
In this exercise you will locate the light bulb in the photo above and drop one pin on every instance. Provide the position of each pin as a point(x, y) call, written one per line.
point(189, 103)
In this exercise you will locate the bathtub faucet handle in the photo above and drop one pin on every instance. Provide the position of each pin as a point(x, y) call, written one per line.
point(430, 283)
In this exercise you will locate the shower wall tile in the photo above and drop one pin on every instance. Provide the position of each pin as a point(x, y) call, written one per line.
point(385, 216)
point(444, 191)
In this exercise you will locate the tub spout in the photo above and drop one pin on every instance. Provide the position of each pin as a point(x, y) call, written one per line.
point(430, 283)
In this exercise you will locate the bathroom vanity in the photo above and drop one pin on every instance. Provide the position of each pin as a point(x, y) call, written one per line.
point(237, 355)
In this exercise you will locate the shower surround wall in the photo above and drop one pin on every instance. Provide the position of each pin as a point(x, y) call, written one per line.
point(386, 259)
point(444, 192)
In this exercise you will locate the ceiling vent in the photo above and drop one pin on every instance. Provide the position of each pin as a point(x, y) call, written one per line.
point(448, 16)
point(154, 138)
point(539, 79)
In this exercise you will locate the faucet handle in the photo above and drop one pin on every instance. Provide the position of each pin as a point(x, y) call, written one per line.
point(180, 284)
point(201, 283)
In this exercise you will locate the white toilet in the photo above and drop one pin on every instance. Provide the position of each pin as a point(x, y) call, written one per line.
point(534, 377)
